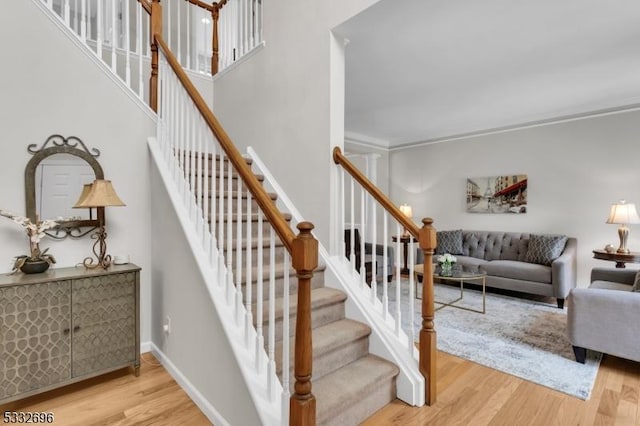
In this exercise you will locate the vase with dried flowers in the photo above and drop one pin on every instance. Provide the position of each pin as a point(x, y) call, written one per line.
point(38, 260)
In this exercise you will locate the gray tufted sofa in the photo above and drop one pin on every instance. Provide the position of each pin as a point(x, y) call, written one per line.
point(502, 256)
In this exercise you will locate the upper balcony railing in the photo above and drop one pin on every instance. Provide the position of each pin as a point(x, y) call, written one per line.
point(205, 39)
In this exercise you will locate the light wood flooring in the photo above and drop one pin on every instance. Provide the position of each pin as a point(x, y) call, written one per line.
point(469, 394)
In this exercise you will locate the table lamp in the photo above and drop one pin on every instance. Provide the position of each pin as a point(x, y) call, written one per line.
point(100, 194)
point(623, 214)
point(408, 212)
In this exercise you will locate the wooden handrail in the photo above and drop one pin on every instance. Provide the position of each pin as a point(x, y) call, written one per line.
point(274, 216)
point(339, 158)
point(146, 5)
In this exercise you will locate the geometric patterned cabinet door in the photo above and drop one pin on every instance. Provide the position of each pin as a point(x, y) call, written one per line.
point(66, 325)
point(104, 317)
point(35, 342)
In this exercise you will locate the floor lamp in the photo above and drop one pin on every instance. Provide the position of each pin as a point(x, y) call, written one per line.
point(101, 194)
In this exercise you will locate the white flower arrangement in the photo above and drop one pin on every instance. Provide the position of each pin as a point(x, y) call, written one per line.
point(35, 232)
point(447, 259)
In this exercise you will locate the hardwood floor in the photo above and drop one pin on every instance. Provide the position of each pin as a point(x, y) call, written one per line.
point(469, 394)
point(118, 398)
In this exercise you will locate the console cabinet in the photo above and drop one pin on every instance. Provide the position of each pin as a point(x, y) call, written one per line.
point(66, 325)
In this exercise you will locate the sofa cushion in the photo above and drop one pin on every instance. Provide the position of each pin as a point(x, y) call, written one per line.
point(449, 242)
point(470, 264)
point(518, 270)
point(544, 249)
point(636, 283)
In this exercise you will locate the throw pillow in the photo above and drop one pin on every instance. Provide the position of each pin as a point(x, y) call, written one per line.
point(544, 249)
point(449, 242)
point(636, 283)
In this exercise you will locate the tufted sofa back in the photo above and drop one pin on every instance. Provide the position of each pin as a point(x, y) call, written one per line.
point(493, 245)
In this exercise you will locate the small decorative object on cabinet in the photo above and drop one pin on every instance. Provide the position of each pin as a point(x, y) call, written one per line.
point(66, 325)
point(38, 260)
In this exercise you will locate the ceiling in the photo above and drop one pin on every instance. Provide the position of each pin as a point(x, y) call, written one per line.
point(422, 70)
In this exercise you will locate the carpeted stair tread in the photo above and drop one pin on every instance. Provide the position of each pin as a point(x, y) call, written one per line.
point(326, 339)
point(278, 273)
point(320, 297)
point(341, 397)
point(254, 218)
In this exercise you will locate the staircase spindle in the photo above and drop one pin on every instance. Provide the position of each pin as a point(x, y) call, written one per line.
point(127, 42)
point(83, 21)
point(239, 247)
point(271, 372)
point(259, 298)
point(363, 233)
point(352, 255)
point(229, 240)
point(385, 265)
point(285, 340)
point(139, 50)
point(114, 43)
point(412, 298)
point(67, 13)
point(220, 218)
point(248, 273)
point(178, 50)
point(99, 28)
point(398, 281)
point(374, 241)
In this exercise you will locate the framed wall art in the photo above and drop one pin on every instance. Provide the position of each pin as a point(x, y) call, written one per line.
point(497, 194)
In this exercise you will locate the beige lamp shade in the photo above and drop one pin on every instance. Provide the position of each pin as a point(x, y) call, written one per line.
point(100, 194)
point(86, 188)
point(623, 213)
point(406, 210)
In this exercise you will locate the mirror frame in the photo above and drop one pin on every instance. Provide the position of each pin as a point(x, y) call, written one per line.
point(61, 145)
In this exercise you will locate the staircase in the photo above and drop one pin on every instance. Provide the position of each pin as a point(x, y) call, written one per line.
point(248, 274)
point(349, 383)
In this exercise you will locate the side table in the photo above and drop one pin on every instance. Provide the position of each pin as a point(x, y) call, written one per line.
point(619, 258)
point(404, 239)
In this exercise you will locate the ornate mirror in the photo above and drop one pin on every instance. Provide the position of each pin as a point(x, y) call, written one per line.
point(54, 179)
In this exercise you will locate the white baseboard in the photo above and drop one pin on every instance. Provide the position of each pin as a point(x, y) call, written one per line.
point(205, 406)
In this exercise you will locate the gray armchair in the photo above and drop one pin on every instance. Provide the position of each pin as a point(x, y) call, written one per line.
point(605, 316)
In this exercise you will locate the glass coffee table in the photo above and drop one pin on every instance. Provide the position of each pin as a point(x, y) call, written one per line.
point(457, 276)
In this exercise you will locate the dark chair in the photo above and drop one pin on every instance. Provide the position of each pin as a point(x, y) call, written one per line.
point(368, 251)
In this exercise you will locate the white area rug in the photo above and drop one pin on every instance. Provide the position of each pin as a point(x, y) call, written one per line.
point(522, 337)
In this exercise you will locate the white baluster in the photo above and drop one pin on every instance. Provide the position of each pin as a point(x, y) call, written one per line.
point(272, 314)
point(193, 157)
point(200, 160)
point(89, 24)
point(373, 251)
point(259, 297)
point(179, 36)
point(113, 38)
point(398, 281)
point(212, 221)
point(341, 226)
point(83, 21)
point(239, 246)
point(50, 4)
point(352, 254)
point(221, 213)
point(67, 13)
point(285, 338)
point(168, 11)
point(99, 28)
point(139, 51)
point(74, 25)
point(229, 241)
point(249, 287)
point(385, 265)
point(363, 233)
point(127, 42)
point(412, 300)
point(205, 189)
point(188, 60)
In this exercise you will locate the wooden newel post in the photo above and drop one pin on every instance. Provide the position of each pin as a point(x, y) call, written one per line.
point(302, 405)
point(215, 15)
point(154, 28)
point(428, 346)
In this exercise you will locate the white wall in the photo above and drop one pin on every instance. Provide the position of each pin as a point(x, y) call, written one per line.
point(49, 86)
point(576, 169)
point(280, 102)
point(197, 345)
